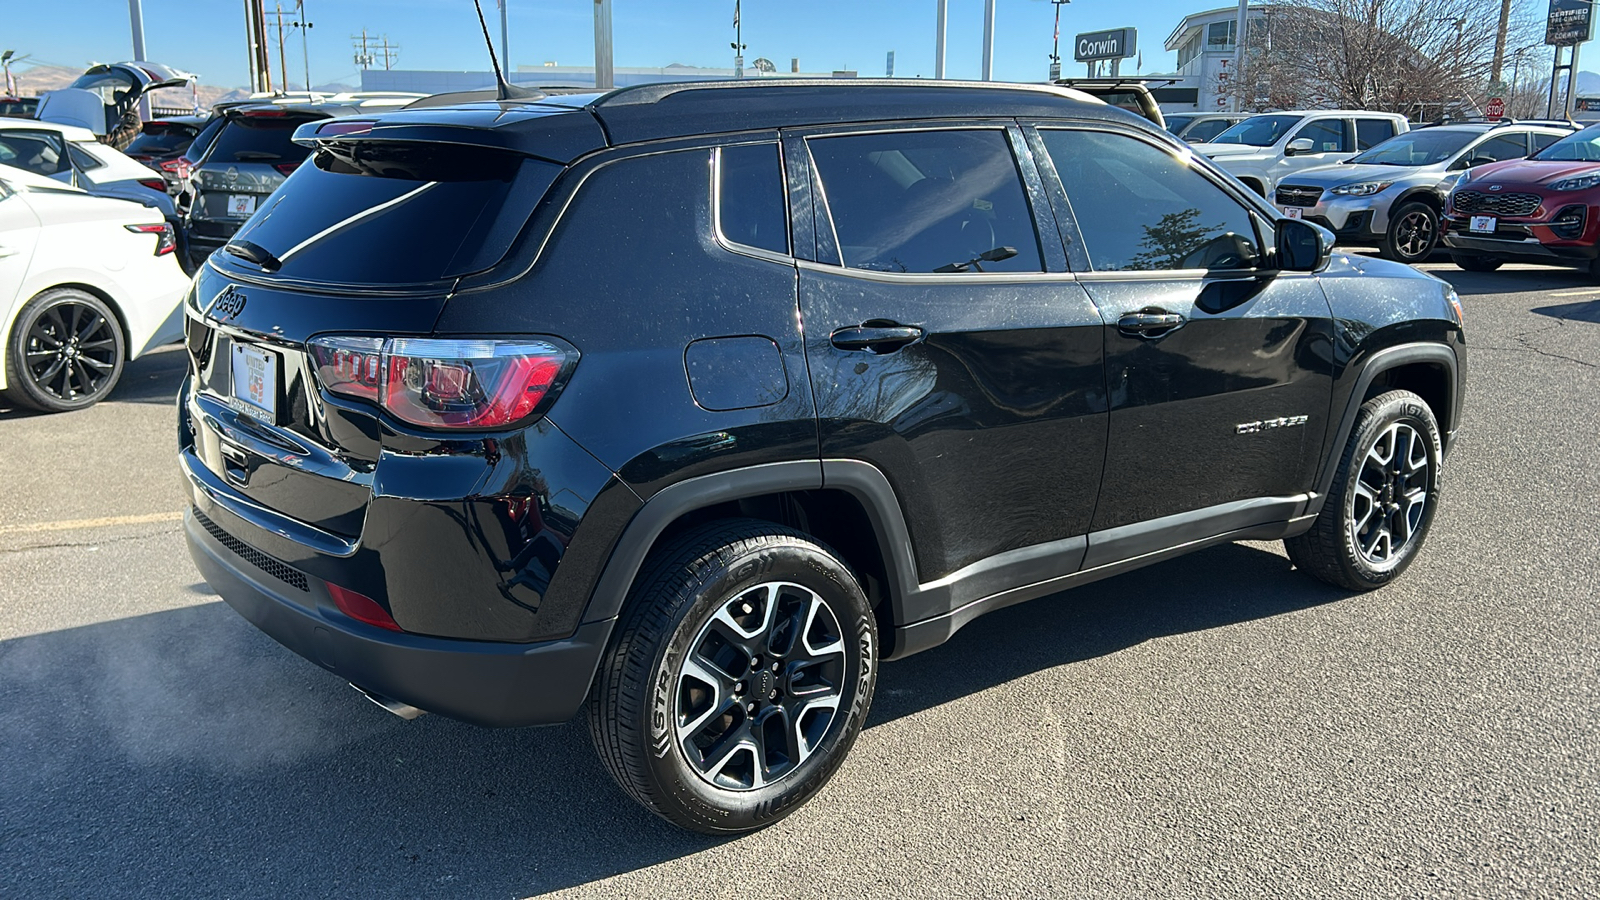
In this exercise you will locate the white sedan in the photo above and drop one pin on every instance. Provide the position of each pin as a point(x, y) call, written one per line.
point(86, 284)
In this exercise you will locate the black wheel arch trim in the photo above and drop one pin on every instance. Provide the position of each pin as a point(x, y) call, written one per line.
point(1376, 364)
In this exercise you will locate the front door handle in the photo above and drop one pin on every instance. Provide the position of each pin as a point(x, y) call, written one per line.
point(1149, 323)
point(876, 338)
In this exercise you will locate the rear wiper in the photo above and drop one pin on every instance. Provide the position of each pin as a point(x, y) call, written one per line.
point(251, 252)
point(996, 255)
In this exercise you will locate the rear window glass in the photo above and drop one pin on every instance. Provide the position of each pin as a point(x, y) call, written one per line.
point(163, 139)
point(397, 213)
point(251, 139)
point(752, 209)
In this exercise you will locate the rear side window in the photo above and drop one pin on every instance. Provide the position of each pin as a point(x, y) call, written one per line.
point(1207, 130)
point(1502, 147)
point(750, 197)
point(927, 201)
point(264, 139)
point(1542, 140)
point(1139, 207)
point(31, 152)
point(1371, 132)
point(82, 158)
point(398, 213)
point(204, 140)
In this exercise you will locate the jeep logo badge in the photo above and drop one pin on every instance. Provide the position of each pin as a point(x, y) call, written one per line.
point(228, 304)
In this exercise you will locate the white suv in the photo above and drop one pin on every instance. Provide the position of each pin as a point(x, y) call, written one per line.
point(1262, 149)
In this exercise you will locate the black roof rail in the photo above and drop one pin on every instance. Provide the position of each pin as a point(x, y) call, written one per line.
point(644, 94)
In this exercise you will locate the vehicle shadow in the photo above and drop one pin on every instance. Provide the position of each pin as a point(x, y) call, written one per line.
point(184, 753)
point(1516, 281)
point(1585, 311)
point(152, 378)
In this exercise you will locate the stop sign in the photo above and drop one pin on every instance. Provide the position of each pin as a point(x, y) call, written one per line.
point(1496, 108)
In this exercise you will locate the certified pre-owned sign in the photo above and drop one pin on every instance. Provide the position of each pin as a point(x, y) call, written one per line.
point(1115, 44)
point(1570, 22)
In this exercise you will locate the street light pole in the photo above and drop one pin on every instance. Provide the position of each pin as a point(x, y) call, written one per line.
point(738, 43)
point(1055, 46)
point(988, 40)
point(304, 27)
point(938, 38)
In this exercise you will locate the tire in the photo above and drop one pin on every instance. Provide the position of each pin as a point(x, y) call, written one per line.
point(1475, 263)
point(1412, 235)
point(734, 616)
point(1391, 459)
point(66, 352)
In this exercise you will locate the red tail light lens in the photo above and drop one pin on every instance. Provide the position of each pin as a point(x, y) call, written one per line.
point(166, 242)
point(178, 167)
point(444, 383)
point(361, 607)
point(155, 184)
point(287, 168)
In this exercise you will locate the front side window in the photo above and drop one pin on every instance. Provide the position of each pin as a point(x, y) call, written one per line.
point(927, 201)
point(1500, 147)
point(1370, 132)
point(1258, 131)
point(750, 195)
point(1423, 147)
point(1206, 130)
point(1142, 208)
point(1326, 136)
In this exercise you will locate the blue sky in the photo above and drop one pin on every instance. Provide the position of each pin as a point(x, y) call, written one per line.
point(207, 36)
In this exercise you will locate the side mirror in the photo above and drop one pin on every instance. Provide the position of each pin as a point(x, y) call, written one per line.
point(1302, 246)
point(1299, 145)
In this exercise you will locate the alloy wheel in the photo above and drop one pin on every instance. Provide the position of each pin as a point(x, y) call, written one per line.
point(1391, 494)
point(71, 351)
point(1414, 234)
point(759, 686)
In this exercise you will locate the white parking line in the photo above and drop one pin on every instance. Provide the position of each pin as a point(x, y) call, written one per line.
point(1588, 292)
point(106, 521)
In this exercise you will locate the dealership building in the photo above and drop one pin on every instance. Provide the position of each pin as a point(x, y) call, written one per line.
point(1205, 43)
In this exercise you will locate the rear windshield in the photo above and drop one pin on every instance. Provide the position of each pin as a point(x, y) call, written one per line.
point(393, 213)
point(264, 139)
point(159, 137)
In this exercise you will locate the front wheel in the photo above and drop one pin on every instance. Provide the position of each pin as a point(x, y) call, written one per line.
point(1473, 263)
point(1412, 234)
point(1383, 498)
point(66, 352)
point(742, 672)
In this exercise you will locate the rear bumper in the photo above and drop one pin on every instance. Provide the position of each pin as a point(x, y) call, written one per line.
point(481, 682)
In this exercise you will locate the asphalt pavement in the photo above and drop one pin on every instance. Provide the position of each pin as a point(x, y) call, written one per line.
point(1214, 726)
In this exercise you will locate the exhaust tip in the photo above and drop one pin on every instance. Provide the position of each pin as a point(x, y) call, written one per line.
point(403, 710)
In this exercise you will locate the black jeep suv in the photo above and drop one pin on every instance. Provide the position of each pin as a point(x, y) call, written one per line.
point(698, 401)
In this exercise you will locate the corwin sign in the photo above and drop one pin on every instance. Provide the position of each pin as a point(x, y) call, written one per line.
point(1571, 22)
point(1118, 43)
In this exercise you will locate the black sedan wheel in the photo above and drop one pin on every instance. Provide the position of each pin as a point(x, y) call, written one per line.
point(742, 672)
point(66, 352)
point(1383, 497)
point(1413, 233)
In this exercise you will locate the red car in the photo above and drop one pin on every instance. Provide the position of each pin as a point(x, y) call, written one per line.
point(1543, 209)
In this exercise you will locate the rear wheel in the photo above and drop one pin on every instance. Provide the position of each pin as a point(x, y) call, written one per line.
point(742, 672)
point(1413, 233)
point(66, 352)
point(1475, 263)
point(1383, 498)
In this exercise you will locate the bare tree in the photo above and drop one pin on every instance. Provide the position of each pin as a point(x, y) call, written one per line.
point(1424, 58)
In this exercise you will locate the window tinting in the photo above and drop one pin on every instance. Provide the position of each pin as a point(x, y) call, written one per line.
point(1505, 146)
point(1326, 136)
point(752, 210)
point(1141, 208)
point(32, 153)
point(83, 159)
point(927, 201)
point(1207, 130)
point(253, 139)
point(1370, 132)
point(1542, 140)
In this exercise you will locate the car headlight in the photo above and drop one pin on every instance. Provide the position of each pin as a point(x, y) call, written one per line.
point(1361, 188)
point(1581, 182)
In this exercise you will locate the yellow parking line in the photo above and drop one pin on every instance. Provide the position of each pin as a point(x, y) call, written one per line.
point(103, 522)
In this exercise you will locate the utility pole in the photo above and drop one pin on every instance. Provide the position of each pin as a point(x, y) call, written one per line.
point(255, 20)
point(391, 53)
point(304, 27)
point(738, 43)
point(1500, 42)
point(602, 44)
point(1055, 46)
point(136, 18)
point(1240, 25)
point(505, 38)
point(988, 40)
point(283, 61)
point(938, 38)
point(363, 57)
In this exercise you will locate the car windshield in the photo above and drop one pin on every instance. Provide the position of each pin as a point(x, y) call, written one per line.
point(1424, 147)
point(1584, 146)
point(1258, 131)
point(258, 138)
point(1175, 123)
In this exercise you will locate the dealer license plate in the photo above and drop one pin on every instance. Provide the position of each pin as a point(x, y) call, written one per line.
point(255, 379)
point(1293, 212)
point(1481, 224)
point(242, 205)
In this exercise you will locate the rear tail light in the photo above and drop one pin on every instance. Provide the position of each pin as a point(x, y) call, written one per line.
point(155, 184)
point(445, 383)
point(361, 607)
point(287, 168)
point(165, 241)
point(178, 167)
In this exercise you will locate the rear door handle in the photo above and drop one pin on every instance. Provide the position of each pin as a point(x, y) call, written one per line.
point(876, 338)
point(1149, 323)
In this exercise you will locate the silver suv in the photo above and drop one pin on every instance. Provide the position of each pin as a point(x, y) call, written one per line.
point(1391, 194)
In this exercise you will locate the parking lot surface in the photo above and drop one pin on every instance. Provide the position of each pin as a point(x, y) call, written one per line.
point(1214, 726)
